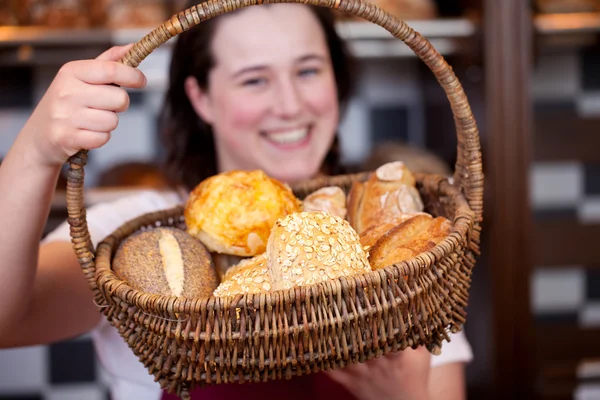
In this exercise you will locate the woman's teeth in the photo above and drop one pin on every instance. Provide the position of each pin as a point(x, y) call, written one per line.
point(288, 137)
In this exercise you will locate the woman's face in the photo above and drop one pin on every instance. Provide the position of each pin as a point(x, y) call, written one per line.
point(271, 97)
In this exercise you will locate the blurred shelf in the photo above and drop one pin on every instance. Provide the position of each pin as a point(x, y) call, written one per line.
point(35, 45)
point(556, 24)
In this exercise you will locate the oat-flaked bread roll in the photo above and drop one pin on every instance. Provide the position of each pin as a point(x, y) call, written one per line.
point(388, 192)
point(330, 199)
point(403, 241)
point(233, 212)
point(166, 261)
point(310, 247)
point(248, 276)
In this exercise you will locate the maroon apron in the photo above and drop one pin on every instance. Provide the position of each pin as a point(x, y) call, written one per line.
point(307, 387)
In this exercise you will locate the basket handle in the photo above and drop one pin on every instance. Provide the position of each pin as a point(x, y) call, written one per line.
point(468, 173)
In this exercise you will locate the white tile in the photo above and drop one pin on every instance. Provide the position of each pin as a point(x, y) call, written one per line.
point(355, 142)
point(556, 290)
point(588, 104)
point(588, 211)
point(75, 392)
point(556, 76)
point(589, 315)
point(11, 123)
point(23, 368)
point(556, 184)
point(588, 391)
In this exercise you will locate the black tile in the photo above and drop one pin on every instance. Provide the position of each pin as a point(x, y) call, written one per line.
point(549, 107)
point(554, 214)
point(22, 397)
point(559, 317)
point(16, 87)
point(590, 65)
point(592, 283)
point(72, 361)
point(389, 124)
point(592, 178)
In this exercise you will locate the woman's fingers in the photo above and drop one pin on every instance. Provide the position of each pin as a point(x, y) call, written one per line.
point(97, 72)
point(85, 139)
point(96, 120)
point(110, 98)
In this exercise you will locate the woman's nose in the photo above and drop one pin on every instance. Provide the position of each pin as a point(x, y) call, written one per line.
point(288, 101)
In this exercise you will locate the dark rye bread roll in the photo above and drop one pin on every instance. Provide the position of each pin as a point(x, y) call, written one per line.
point(166, 261)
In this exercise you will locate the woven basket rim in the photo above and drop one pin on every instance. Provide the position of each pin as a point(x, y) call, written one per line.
point(165, 305)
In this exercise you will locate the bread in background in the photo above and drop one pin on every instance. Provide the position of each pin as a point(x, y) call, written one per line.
point(233, 212)
point(330, 199)
point(166, 261)
point(311, 247)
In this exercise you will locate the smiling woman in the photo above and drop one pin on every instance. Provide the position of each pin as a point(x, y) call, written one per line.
point(268, 84)
point(261, 88)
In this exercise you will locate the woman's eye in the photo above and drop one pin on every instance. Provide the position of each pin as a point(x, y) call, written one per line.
point(254, 82)
point(309, 71)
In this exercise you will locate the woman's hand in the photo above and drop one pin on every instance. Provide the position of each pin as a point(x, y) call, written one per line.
point(79, 109)
point(398, 376)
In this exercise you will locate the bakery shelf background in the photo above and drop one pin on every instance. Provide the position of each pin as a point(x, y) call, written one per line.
point(396, 98)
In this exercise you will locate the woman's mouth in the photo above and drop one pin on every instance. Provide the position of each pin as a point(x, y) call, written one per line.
point(288, 138)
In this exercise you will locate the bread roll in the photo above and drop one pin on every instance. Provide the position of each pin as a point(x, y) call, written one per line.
point(370, 236)
point(248, 276)
point(406, 240)
point(166, 261)
point(233, 212)
point(388, 192)
point(309, 247)
point(331, 199)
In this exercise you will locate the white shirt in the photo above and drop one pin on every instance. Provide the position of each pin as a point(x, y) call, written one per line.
point(129, 379)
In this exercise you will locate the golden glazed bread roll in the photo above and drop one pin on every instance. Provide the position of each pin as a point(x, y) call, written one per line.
point(166, 261)
point(233, 212)
point(400, 242)
point(330, 199)
point(310, 247)
point(248, 276)
point(388, 192)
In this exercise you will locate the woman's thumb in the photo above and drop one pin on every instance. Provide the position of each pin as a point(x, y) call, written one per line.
point(115, 53)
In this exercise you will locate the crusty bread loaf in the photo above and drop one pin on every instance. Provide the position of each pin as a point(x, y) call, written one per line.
point(388, 192)
point(403, 241)
point(310, 247)
point(233, 212)
point(371, 235)
point(248, 276)
point(330, 199)
point(166, 261)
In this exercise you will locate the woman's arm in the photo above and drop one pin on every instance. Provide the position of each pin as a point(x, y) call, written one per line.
point(79, 110)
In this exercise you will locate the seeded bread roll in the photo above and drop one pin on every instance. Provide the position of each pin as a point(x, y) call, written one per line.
point(233, 212)
point(166, 261)
point(388, 192)
point(331, 199)
point(248, 276)
point(406, 240)
point(309, 247)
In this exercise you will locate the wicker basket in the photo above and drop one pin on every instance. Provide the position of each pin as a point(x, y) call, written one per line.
point(186, 343)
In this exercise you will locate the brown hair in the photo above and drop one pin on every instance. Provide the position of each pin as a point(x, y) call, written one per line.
point(190, 154)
